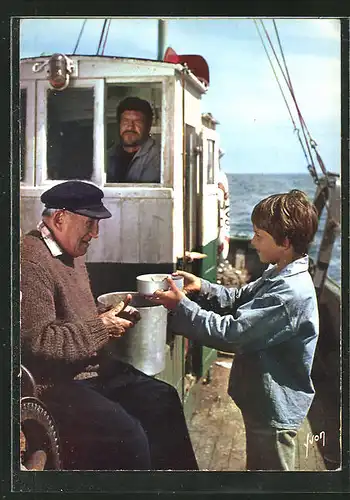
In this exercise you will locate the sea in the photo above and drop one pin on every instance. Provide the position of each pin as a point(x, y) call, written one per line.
point(246, 190)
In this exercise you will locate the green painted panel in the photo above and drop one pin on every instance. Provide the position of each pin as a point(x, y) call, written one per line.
point(209, 355)
point(208, 272)
point(209, 264)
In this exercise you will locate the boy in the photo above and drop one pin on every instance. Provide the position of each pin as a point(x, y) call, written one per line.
point(271, 325)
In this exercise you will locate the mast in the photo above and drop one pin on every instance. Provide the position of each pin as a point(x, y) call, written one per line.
point(162, 36)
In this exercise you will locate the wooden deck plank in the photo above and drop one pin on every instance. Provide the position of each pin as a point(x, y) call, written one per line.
point(218, 435)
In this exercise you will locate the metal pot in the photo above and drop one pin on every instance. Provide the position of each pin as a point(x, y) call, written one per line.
point(142, 346)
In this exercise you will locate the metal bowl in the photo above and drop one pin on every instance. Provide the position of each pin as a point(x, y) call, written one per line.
point(147, 284)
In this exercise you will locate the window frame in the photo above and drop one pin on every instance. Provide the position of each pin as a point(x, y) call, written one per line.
point(29, 161)
point(134, 81)
point(210, 156)
point(98, 87)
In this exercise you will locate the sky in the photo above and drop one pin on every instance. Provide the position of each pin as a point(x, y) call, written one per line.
point(256, 132)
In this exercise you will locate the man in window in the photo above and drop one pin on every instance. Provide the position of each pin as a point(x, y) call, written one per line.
point(136, 158)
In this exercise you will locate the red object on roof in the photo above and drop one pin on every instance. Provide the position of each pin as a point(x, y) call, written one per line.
point(171, 56)
point(197, 64)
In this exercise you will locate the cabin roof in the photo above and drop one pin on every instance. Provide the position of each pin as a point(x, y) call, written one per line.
point(132, 60)
point(101, 57)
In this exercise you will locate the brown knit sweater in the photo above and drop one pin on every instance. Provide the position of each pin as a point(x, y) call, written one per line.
point(60, 329)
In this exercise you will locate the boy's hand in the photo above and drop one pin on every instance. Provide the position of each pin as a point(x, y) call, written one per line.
point(168, 298)
point(191, 282)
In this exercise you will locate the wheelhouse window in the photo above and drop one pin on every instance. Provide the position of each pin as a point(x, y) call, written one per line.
point(70, 134)
point(211, 162)
point(115, 94)
point(23, 135)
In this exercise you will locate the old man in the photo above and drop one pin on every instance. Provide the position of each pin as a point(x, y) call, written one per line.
point(118, 418)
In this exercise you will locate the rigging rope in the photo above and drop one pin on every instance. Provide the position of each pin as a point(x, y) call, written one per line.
point(79, 37)
point(311, 167)
point(301, 119)
point(284, 97)
point(105, 40)
point(329, 233)
point(290, 87)
point(101, 37)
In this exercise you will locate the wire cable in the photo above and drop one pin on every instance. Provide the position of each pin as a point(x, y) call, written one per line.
point(101, 37)
point(301, 119)
point(105, 40)
point(311, 140)
point(289, 85)
point(79, 37)
point(283, 95)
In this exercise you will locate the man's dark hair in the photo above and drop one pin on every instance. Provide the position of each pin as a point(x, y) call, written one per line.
point(136, 104)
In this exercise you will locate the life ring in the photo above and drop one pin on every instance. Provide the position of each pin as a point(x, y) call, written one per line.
point(223, 217)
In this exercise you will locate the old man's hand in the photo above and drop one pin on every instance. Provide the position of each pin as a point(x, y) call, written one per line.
point(120, 317)
point(168, 298)
point(130, 313)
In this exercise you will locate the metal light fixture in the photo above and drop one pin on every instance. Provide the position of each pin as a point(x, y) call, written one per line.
point(60, 67)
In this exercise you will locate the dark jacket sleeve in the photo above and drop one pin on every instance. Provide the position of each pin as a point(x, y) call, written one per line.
point(41, 333)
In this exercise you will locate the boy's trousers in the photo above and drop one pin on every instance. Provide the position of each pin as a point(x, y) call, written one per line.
point(269, 448)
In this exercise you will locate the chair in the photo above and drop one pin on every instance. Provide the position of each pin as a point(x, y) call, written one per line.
point(40, 448)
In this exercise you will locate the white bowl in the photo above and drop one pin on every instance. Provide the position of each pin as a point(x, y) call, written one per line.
point(147, 284)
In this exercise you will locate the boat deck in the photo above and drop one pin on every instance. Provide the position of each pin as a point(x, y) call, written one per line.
point(218, 436)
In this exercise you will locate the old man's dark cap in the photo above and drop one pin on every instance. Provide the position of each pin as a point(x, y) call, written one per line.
point(78, 197)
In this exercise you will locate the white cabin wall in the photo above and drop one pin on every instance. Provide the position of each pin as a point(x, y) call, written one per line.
point(146, 224)
point(168, 141)
point(210, 197)
point(137, 232)
point(30, 208)
point(177, 216)
point(210, 214)
point(99, 67)
point(193, 107)
point(194, 119)
point(30, 160)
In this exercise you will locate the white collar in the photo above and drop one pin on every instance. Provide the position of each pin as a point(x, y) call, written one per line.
point(47, 236)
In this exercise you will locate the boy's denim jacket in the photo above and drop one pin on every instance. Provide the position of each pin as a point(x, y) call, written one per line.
point(272, 326)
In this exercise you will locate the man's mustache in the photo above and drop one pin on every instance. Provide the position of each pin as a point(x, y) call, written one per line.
point(129, 132)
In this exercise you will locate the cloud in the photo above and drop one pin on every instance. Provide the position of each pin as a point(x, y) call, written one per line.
point(130, 38)
point(304, 28)
point(256, 97)
point(243, 94)
point(240, 69)
point(328, 28)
